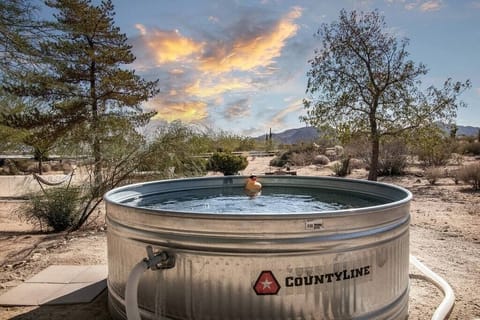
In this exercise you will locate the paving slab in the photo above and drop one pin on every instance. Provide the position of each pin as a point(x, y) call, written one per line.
point(59, 284)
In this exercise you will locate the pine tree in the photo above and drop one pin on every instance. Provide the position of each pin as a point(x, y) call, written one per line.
point(19, 32)
point(84, 94)
point(83, 83)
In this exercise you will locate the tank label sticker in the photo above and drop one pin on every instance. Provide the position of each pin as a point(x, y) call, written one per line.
point(266, 284)
point(314, 225)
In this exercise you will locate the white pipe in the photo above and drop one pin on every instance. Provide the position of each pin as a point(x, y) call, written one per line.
point(131, 290)
point(444, 309)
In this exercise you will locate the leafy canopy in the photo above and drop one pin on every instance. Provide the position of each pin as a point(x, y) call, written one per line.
point(361, 80)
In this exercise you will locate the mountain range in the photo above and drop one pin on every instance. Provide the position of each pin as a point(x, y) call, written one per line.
point(309, 134)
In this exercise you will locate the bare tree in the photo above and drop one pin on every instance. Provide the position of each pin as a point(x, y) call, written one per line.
point(361, 81)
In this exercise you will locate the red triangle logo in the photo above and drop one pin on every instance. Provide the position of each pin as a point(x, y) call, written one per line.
point(266, 284)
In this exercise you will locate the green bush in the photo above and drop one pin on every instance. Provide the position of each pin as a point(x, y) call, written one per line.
point(227, 163)
point(56, 208)
point(470, 174)
point(432, 146)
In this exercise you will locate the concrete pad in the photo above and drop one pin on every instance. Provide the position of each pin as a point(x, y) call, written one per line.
point(29, 294)
point(72, 293)
point(91, 274)
point(59, 285)
point(57, 274)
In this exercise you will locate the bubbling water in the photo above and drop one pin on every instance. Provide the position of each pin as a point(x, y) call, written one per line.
point(270, 200)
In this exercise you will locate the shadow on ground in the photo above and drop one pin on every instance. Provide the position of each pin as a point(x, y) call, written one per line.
point(96, 310)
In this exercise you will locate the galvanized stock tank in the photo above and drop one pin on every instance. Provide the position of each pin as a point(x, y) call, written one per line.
point(349, 263)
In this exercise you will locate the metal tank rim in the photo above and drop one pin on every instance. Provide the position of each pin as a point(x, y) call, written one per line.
point(120, 194)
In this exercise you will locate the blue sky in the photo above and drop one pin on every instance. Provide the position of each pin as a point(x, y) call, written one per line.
point(240, 66)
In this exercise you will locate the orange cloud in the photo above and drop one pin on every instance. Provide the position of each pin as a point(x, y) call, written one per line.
point(248, 54)
point(190, 111)
point(169, 46)
point(205, 90)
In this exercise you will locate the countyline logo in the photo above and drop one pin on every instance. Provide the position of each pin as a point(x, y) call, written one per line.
point(344, 274)
point(267, 284)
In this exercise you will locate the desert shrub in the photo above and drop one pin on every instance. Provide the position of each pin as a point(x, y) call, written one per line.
point(296, 155)
point(10, 167)
point(301, 159)
point(227, 163)
point(22, 164)
point(456, 159)
point(437, 156)
point(283, 159)
point(342, 167)
point(472, 148)
point(321, 160)
point(392, 159)
point(339, 150)
point(453, 174)
point(432, 146)
point(56, 208)
point(63, 166)
point(33, 167)
point(357, 163)
point(433, 174)
point(4, 171)
point(470, 174)
point(279, 161)
point(331, 154)
point(292, 158)
point(67, 167)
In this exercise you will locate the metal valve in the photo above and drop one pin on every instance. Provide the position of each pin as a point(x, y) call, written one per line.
point(159, 260)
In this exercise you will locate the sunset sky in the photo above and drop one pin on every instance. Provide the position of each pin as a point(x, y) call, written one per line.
point(241, 66)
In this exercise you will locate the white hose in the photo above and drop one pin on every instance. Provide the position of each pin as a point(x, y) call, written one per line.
point(131, 290)
point(443, 310)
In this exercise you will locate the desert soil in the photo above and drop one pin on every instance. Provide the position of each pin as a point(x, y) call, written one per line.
point(444, 235)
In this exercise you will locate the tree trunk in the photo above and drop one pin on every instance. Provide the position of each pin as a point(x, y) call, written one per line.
point(40, 165)
point(375, 140)
point(38, 155)
point(97, 156)
point(96, 148)
point(373, 173)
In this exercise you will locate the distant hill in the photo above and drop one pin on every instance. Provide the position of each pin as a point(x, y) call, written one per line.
point(309, 134)
point(464, 131)
point(293, 136)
